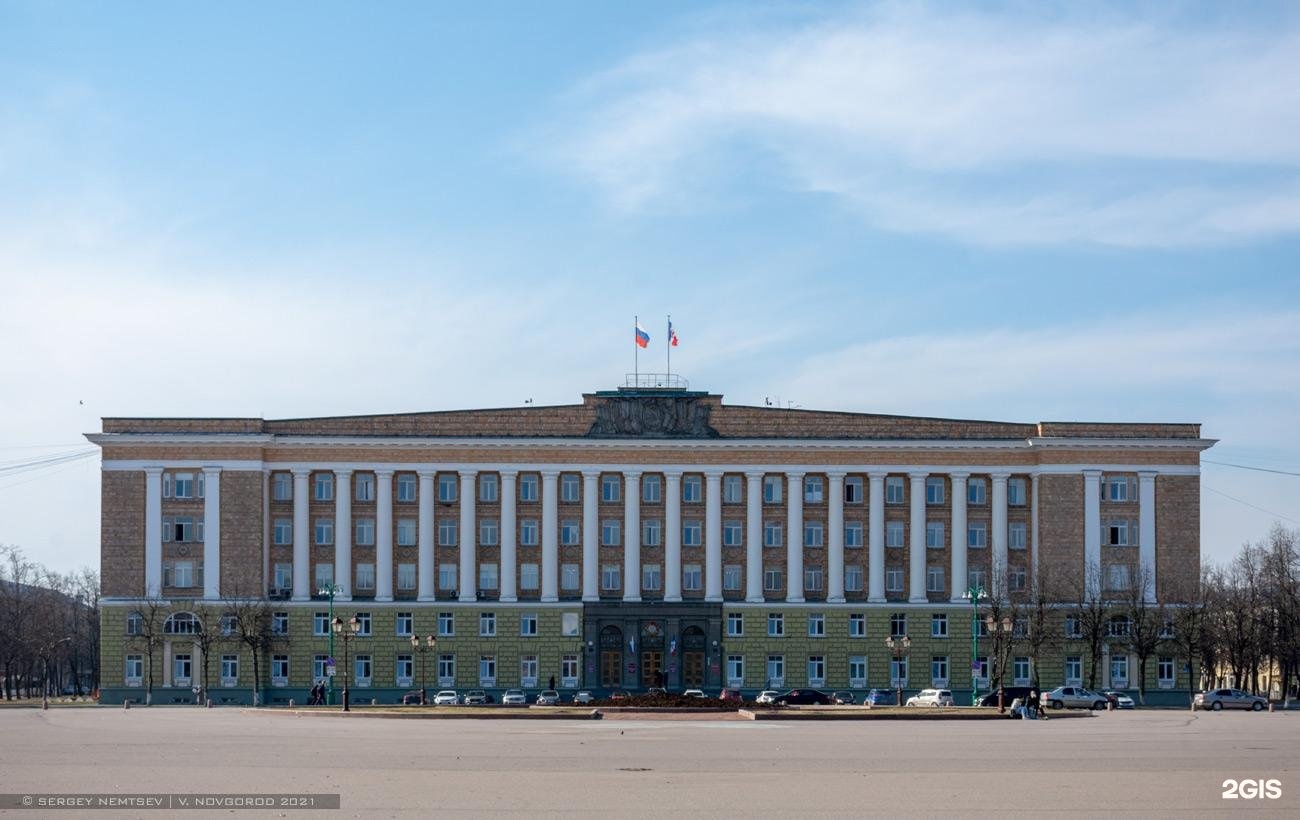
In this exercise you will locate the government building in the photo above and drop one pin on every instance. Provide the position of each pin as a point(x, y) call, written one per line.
point(646, 536)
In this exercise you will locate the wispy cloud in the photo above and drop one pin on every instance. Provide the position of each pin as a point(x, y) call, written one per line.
point(980, 126)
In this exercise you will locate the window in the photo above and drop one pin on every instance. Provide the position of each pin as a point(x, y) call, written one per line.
point(1118, 532)
point(981, 669)
point(447, 488)
point(817, 670)
point(182, 529)
point(487, 576)
point(323, 487)
point(569, 624)
point(282, 487)
point(528, 670)
point(404, 624)
point(977, 534)
point(528, 625)
point(897, 625)
point(1117, 577)
point(817, 625)
point(528, 532)
point(735, 625)
point(365, 489)
point(283, 532)
point(487, 670)
point(1165, 672)
point(446, 670)
point(651, 578)
point(651, 489)
point(611, 488)
point(651, 532)
point(893, 533)
point(976, 491)
point(489, 530)
point(279, 669)
point(731, 534)
point(365, 577)
point(857, 625)
point(320, 623)
point(1016, 536)
point(813, 534)
point(1119, 488)
point(853, 490)
point(939, 625)
point(776, 670)
point(775, 625)
point(692, 533)
point(446, 624)
point(735, 670)
point(569, 533)
point(447, 532)
point(134, 623)
point(1073, 628)
point(609, 578)
point(365, 532)
point(857, 671)
point(813, 492)
point(610, 533)
point(853, 534)
point(364, 669)
point(773, 580)
point(1119, 671)
point(528, 487)
point(283, 577)
point(528, 576)
point(570, 491)
point(1016, 492)
point(569, 670)
point(324, 575)
point(406, 577)
point(852, 578)
point(447, 576)
point(977, 578)
point(1020, 627)
point(403, 670)
point(229, 670)
point(939, 670)
point(1118, 627)
point(406, 487)
point(731, 492)
point(1073, 670)
point(893, 580)
point(569, 575)
point(1166, 630)
point(1016, 580)
point(731, 574)
point(691, 581)
point(772, 536)
point(894, 490)
point(489, 488)
point(898, 672)
point(934, 491)
point(814, 579)
point(771, 489)
point(406, 532)
point(324, 531)
point(363, 624)
point(183, 574)
point(691, 489)
point(934, 535)
point(487, 624)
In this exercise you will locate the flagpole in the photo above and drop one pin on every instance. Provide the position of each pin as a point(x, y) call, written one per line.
point(636, 352)
point(668, 340)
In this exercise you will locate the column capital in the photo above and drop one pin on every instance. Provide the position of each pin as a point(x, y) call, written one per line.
point(549, 475)
point(1147, 475)
point(673, 475)
point(999, 476)
point(631, 473)
point(795, 474)
point(301, 472)
point(918, 474)
point(159, 470)
point(467, 473)
point(384, 473)
point(836, 474)
point(348, 473)
point(591, 473)
point(510, 475)
point(713, 475)
point(216, 470)
point(959, 476)
point(1092, 474)
point(755, 474)
point(877, 475)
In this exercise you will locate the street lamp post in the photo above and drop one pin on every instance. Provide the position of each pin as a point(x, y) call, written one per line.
point(331, 590)
point(999, 630)
point(351, 632)
point(45, 653)
point(975, 594)
point(423, 651)
point(899, 647)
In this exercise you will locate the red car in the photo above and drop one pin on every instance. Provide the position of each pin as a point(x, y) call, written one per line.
point(730, 694)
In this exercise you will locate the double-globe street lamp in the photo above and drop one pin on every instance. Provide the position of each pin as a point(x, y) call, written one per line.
point(975, 594)
point(899, 647)
point(331, 590)
point(354, 626)
point(423, 650)
point(1000, 631)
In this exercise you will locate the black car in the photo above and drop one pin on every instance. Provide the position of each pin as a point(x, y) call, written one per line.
point(803, 697)
point(1009, 693)
point(844, 698)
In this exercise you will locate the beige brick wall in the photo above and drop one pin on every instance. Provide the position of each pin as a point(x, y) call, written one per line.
point(241, 533)
point(121, 539)
point(1178, 535)
point(1060, 533)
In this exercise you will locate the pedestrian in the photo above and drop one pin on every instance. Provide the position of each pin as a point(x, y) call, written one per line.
point(551, 683)
point(317, 696)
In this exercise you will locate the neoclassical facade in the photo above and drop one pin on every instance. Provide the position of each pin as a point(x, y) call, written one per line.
point(640, 537)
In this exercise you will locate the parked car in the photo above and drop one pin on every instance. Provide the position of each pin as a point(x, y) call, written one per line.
point(475, 697)
point(731, 695)
point(766, 696)
point(514, 697)
point(583, 697)
point(931, 697)
point(548, 697)
point(879, 697)
point(1009, 693)
point(619, 694)
point(844, 698)
point(803, 697)
point(447, 697)
point(1073, 697)
point(1217, 699)
point(1121, 700)
point(656, 690)
point(694, 693)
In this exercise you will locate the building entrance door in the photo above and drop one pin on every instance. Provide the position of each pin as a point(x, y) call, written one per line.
point(652, 665)
point(611, 657)
point(693, 670)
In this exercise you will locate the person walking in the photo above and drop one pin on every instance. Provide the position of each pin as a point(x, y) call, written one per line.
point(551, 683)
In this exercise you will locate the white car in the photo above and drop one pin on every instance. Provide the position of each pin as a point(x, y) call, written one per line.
point(1073, 697)
point(694, 693)
point(766, 696)
point(931, 697)
point(549, 697)
point(514, 697)
point(447, 697)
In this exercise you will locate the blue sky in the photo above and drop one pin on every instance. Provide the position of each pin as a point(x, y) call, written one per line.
point(998, 210)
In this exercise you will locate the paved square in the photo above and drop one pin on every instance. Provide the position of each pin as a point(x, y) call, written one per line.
point(1163, 763)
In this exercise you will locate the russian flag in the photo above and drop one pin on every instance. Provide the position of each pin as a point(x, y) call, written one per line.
point(642, 338)
point(672, 335)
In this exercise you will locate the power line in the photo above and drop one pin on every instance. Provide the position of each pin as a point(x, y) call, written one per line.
point(1247, 467)
point(19, 467)
point(1252, 506)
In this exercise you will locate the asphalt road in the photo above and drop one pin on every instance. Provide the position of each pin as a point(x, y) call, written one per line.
point(1148, 764)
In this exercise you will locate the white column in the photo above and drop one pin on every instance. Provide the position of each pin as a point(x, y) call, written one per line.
point(468, 538)
point(211, 533)
point(632, 535)
point(794, 538)
point(916, 546)
point(1147, 533)
point(713, 536)
point(959, 537)
point(835, 539)
point(672, 536)
point(426, 572)
point(266, 530)
point(876, 542)
point(153, 531)
point(1092, 532)
point(384, 535)
point(550, 537)
point(1033, 526)
point(343, 534)
point(509, 556)
point(301, 541)
point(590, 537)
point(754, 537)
point(998, 538)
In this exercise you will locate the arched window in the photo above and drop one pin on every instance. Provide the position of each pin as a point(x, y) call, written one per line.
point(182, 623)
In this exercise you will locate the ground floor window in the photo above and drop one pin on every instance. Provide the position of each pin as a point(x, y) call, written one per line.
point(735, 670)
point(487, 670)
point(229, 670)
point(898, 672)
point(939, 670)
point(1020, 670)
point(817, 670)
point(1165, 672)
point(446, 670)
point(363, 669)
point(405, 670)
point(182, 667)
point(134, 670)
point(279, 670)
point(1119, 671)
point(775, 670)
point(857, 672)
point(569, 671)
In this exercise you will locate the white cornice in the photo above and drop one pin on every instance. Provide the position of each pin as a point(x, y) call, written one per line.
point(205, 439)
point(1125, 443)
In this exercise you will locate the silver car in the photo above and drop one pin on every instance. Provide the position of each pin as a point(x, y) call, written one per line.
point(931, 697)
point(1074, 697)
point(548, 697)
point(1217, 699)
point(447, 697)
point(514, 697)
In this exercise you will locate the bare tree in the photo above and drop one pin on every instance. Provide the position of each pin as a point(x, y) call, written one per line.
point(1042, 627)
point(1281, 570)
point(149, 636)
point(1003, 621)
point(210, 636)
point(1090, 616)
point(252, 626)
point(1189, 621)
point(1146, 623)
